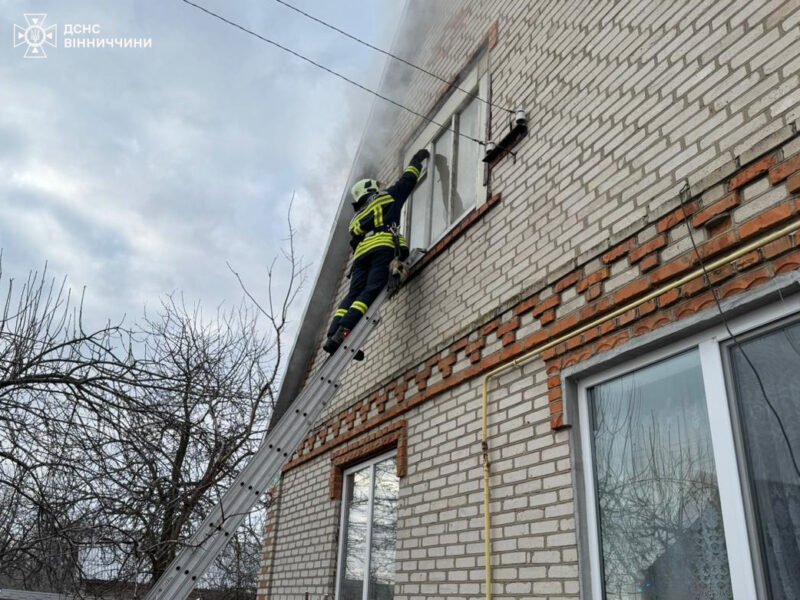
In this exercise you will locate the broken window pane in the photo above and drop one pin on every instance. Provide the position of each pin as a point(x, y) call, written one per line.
point(441, 163)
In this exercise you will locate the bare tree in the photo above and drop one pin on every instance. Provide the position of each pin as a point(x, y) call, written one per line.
point(53, 372)
point(163, 467)
point(115, 442)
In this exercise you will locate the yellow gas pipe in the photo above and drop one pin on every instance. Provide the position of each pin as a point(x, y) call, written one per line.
point(563, 338)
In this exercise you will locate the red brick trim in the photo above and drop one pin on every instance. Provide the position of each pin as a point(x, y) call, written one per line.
point(468, 221)
point(393, 436)
point(498, 340)
point(781, 171)
point(715, 210)
point(758, 168)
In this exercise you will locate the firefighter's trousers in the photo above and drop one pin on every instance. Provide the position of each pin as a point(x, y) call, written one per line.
point(369, 276)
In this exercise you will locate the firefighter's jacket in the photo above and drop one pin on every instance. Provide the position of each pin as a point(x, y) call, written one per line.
point(369, 228)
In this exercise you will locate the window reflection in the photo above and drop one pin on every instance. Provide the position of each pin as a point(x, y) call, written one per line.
point(384, 531)
point(418, 235)
point(775, 484)
point(468, 159)
point(660, 522)
point(369, 522)
point(355, 527)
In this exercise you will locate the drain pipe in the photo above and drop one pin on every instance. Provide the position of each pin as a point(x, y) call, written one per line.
point(530, 355)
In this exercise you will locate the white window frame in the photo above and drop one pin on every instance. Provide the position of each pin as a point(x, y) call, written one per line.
point(342, 515)
point(476, 81)
point(744, 566)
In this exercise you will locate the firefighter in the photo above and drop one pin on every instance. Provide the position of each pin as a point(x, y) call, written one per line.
point(375, 243)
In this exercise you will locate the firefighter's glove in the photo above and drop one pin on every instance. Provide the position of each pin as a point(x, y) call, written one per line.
point(421, 155)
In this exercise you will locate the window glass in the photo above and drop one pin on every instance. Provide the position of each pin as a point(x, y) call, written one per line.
point(441, 165)
point(661, 533)
point(468, 159)
point(773, 479)
point(419, 217)
point(369, 530)
point(357, 488)
point(451, 188)
point(384, 531)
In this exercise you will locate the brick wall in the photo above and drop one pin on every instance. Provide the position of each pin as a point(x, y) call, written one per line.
point(627, 101)
point(303, 553)
point(753, 201)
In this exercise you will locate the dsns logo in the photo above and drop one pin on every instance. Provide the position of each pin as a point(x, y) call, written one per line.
point(35, 35)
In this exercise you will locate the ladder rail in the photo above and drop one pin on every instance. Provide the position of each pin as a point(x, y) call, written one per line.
point(209, 539)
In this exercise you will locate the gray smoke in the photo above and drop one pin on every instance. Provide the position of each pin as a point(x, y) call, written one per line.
point(420, 17)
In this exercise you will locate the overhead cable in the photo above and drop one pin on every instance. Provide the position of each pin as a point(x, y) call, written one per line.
point(331, 71)
point(684, 196)
point(389, 54)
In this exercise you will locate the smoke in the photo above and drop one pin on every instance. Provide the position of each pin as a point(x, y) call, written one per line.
point(385, 124)
point(404, 85)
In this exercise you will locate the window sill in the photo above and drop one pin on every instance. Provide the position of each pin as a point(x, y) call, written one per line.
point(456, 232)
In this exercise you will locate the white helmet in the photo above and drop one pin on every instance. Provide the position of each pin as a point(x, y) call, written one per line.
point(363, 187)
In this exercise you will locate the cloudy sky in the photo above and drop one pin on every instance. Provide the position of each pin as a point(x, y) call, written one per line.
point(140, 172)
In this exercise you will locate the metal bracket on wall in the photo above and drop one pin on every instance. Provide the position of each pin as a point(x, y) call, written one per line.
point(518, 129)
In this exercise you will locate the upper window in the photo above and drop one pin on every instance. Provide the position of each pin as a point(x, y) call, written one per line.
point(452, 182)
point(368, 531)
point(691, 481)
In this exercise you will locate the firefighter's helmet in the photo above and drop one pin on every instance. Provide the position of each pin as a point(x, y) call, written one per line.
point(364, 187)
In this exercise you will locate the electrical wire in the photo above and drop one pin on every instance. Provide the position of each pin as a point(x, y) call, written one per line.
point(389, 54)
point(331, 71)
point(684, 195)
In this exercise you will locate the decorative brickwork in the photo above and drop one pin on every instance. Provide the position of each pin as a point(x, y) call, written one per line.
point(627, 101)
point(372, 411)
point(393, 436)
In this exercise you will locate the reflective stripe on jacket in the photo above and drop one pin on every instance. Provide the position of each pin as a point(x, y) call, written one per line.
point(369, 228)
point(381, 239)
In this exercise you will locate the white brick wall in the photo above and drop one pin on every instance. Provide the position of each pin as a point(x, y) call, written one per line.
point(625, 100)
point(440, 550)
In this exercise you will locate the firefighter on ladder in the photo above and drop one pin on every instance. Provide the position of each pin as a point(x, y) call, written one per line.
point(378, 248)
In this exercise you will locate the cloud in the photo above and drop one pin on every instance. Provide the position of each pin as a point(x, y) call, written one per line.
point(139, 173)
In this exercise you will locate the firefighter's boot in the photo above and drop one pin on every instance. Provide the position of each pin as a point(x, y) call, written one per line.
point(333, 342)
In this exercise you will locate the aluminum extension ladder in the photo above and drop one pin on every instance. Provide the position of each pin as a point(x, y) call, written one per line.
point(207, 542)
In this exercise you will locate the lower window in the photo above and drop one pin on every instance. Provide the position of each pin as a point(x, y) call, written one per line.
point(766, 377)
point(368, 531)
point(659, 515)
point(691, 481)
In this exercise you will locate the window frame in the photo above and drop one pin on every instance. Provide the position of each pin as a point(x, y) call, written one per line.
point(741, 536)
point(475, 79)
point(370, 462)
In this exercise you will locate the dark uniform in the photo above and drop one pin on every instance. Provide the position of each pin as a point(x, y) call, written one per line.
point(373, 245)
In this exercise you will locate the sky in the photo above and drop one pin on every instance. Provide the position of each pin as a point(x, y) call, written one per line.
point(140, 172)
